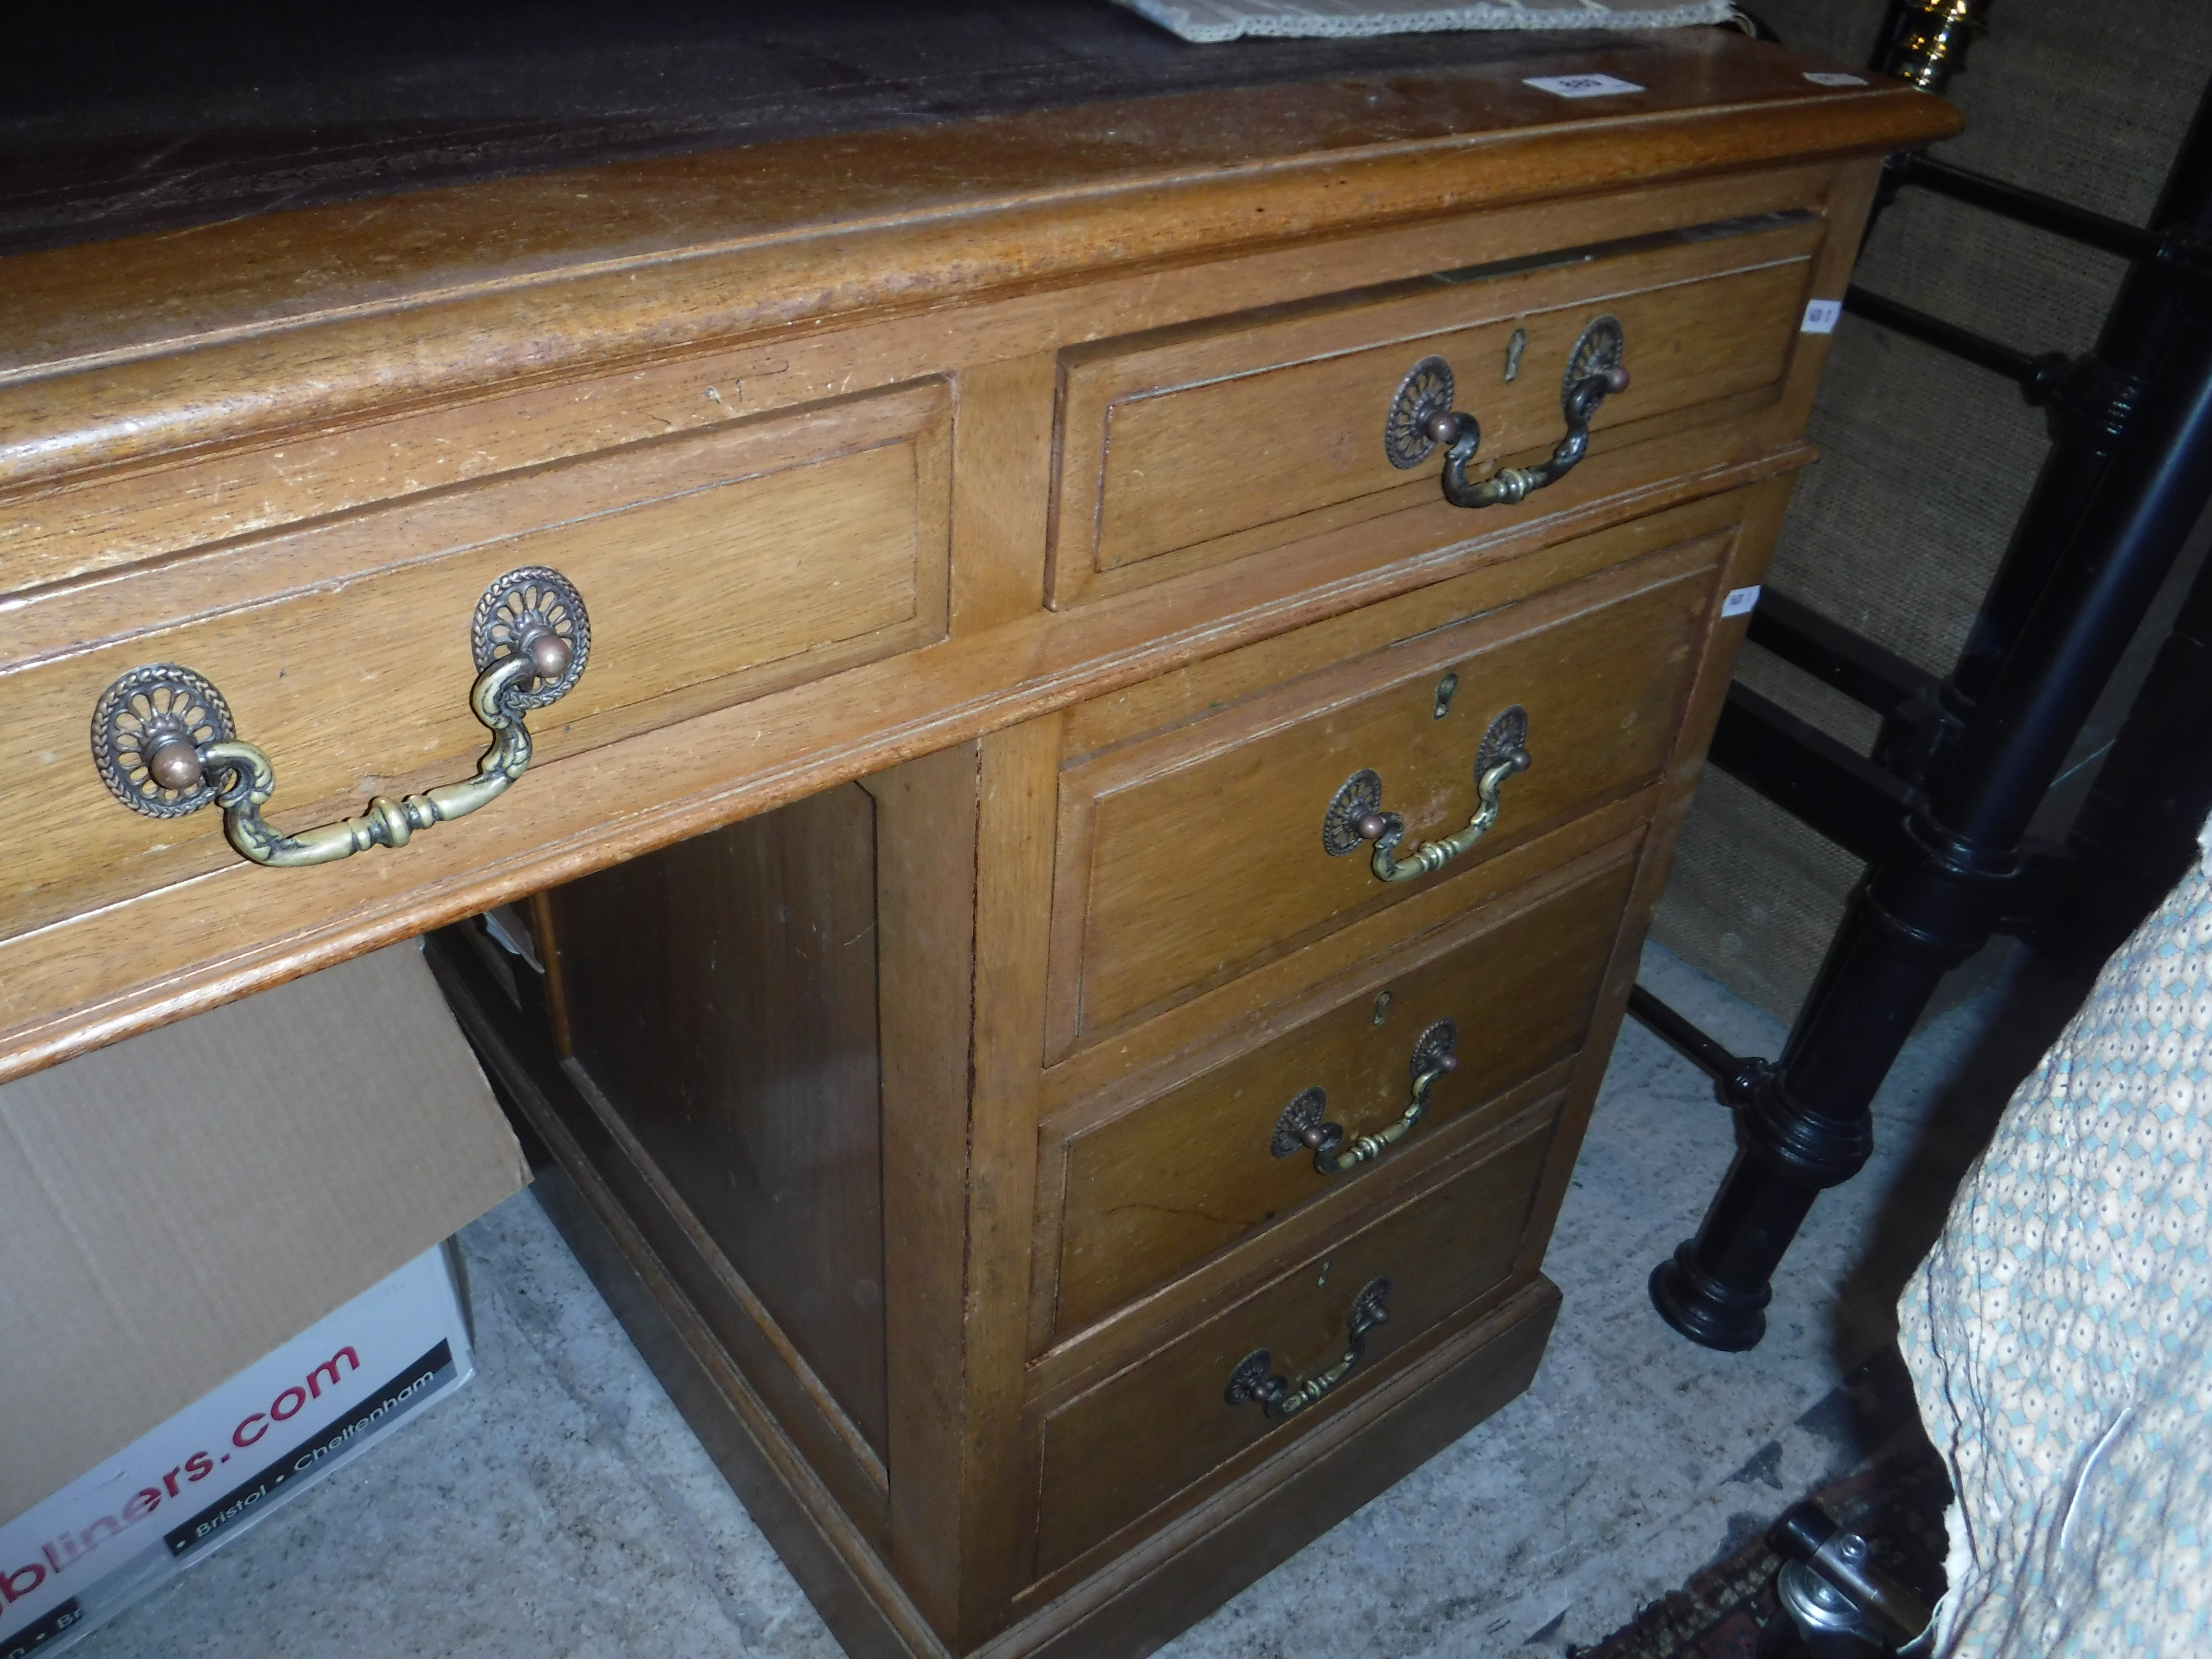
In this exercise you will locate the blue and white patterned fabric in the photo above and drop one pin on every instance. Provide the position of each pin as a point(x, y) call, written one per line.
point(2060, 1333)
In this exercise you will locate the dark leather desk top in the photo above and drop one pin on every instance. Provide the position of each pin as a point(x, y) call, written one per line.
point(108, 132)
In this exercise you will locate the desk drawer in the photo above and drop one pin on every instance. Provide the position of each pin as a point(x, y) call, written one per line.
point(1195, 446)
point(711, 568)
point(1193, 856)
point(1158, 1186)
point(1130, 1443)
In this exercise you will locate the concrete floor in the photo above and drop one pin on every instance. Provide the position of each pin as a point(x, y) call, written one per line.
point(559, 1506)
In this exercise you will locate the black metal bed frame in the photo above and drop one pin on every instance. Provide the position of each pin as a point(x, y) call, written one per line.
point(1940, 812)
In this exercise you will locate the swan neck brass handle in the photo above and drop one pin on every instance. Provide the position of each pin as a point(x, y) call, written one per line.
point(251, 780)
point(1513, 484)
point(164, 741)
point(1256, 1379)
point(1301, 1127)
point(1355, 817)
point(1387, 829)
point(1421, 419)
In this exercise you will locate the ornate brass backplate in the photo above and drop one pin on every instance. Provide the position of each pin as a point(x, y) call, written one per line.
point(1506, 734)
point(158, 704)
point(1432, 1053)
point(1299, 1120)
point(1361, 796)
point(1424, 394)
point(533, 599)
point(1599, 351)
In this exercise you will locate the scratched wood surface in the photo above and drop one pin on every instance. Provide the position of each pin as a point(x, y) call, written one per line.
point(1135, 1439)
point(284, 442)
point(1159, 1187)
point(1191, 859)
point(1182, 452)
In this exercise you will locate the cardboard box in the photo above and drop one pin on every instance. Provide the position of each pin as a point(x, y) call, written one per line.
point(176, 1206)
point(231, 1457)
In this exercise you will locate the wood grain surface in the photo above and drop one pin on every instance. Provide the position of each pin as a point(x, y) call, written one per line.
point(1180, 452)
point(222, 485)
point(927, 954)
point(712, 567)
point(763, 1103)
point(431, 293)
point(1135, 1439)
point(1198, 855)
point(1176, 1178)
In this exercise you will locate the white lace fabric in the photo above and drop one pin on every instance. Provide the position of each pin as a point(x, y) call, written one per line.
point(2060, 1333)
point(1209, 21)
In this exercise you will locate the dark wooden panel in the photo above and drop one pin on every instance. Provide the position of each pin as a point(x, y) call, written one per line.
point(721, 996)
point(281, 110)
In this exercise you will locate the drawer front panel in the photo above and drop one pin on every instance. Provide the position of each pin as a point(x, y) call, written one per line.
point(1158, 1189)
point(711, 569)
point(1192, 857)
point(1132, 1442)
point(1220, 441)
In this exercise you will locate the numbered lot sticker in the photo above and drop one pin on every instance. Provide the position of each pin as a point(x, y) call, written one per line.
point(1581, 85)
point(1834, 78)
point(1739, 600)
point(1821, 316)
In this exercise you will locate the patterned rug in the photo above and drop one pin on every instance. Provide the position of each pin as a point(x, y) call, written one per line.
point(1898, 1503)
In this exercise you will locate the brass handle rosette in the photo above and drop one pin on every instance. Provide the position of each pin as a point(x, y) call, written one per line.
point(1255, 1377)
point(165, 744)
point(1300, 1127)
point(1422, 418)
point(1355, 815)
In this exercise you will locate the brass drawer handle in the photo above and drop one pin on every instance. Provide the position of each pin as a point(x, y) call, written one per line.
point(1255, 1378)
point(1421, 418)
point(163, 739)
point(1355, 814)
point(1300, 1125)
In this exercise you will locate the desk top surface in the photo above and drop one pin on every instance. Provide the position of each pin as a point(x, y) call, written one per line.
point(163, 380)
point(104, 136)
point(1007, 157)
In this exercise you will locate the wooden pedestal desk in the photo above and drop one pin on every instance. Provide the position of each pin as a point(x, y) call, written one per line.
point(1067, 905)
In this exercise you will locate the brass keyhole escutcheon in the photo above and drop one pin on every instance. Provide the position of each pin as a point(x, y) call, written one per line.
point(1446, 688)
point(1514, 347)
point(1381, 1008)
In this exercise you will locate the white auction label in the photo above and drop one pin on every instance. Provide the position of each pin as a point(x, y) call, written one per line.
point(1820, 315)
point(1739, 600)
point(1834, 78)
point(1581, 85)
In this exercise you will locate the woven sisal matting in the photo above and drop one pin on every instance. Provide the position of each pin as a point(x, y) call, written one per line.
point(1926, 460)
point(1206, 20)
